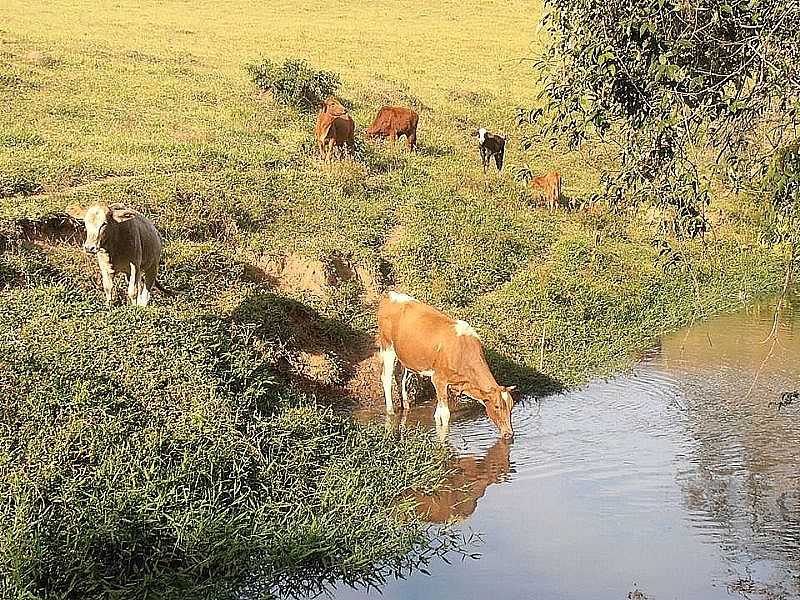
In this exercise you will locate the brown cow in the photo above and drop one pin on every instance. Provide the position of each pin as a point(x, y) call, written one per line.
point(550, 187)
point(430, 343)
point(334, 127)
point(124, 241)
point(394, 121)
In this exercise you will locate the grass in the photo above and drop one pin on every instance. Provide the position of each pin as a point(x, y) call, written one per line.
point(175, 450)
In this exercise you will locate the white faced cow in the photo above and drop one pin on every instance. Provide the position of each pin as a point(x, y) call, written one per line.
point(428, 342)
point(491, 145)
point(124, 241)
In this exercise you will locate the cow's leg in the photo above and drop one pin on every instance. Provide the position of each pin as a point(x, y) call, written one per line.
point(107, 274)
point(411, 141)
point(442, 414)
point(389, 359)
point(134, 277)
point(404, 389)
point(146, 284)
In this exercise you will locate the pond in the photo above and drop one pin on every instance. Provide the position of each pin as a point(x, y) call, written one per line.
point(677, 480)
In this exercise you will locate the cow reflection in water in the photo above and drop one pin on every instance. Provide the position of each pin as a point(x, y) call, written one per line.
point(458, 497)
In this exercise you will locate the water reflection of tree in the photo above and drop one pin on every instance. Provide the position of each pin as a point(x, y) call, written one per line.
point(458, 498)
point(742, 487)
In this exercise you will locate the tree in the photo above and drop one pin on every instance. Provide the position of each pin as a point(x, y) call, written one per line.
point(674, 84)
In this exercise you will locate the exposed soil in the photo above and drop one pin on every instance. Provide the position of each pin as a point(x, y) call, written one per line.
point(56, 228)
point(296, 273)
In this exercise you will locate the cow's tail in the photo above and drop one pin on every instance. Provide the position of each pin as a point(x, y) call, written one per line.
point(164, 291)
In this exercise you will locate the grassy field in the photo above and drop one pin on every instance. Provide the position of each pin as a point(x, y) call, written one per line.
point(186, 447)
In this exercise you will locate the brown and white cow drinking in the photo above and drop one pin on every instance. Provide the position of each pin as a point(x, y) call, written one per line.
point(124, 241)
point(428, 342)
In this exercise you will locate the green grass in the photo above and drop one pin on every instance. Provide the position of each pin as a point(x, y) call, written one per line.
point(172, 450)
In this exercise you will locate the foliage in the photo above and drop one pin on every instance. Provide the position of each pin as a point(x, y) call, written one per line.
point(782, 182)
point(667, 82)
point(294, 82)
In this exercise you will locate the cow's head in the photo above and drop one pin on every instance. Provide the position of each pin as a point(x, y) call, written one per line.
point(498, 406)
point(98, 219)
point(332, 106)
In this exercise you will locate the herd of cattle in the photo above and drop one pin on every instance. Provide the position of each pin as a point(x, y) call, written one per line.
point(424, 340)
point(335, 130)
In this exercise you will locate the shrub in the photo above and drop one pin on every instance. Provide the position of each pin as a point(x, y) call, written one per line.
point(294, 82)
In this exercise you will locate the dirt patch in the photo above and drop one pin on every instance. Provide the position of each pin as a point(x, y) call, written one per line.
point(56, 228)
point(296, 273)
point(40, 59)
point(322, 368)
point(365, 384)
point(396, 236)
point(189, 135)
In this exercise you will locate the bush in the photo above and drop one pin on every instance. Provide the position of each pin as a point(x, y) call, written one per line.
point(294, 82)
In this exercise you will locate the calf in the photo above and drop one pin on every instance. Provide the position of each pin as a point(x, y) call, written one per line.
point(430, 343)
point(491, 145)
point(334, 128)
point(550, 187)
point(394, 121)
point(124, 241)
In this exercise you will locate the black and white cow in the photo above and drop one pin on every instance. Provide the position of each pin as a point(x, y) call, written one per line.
point(491, 145)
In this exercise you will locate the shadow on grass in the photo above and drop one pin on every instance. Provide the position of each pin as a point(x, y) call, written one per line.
point(529, 382)
point(317, 353)
point(435, 150)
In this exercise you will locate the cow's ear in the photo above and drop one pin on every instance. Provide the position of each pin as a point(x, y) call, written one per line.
point(76, 212)
point(508, 389)
point(121, 215)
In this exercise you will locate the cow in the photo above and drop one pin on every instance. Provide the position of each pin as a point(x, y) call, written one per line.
point(549, 186)
point(428, 342)
point(124, 241)
point(394, 121)
point(334, 128)
point(491, 145)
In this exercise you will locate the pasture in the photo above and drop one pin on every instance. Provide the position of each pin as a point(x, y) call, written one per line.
point(276, 260)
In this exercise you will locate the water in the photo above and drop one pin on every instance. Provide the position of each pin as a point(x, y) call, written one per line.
point(678, 480)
